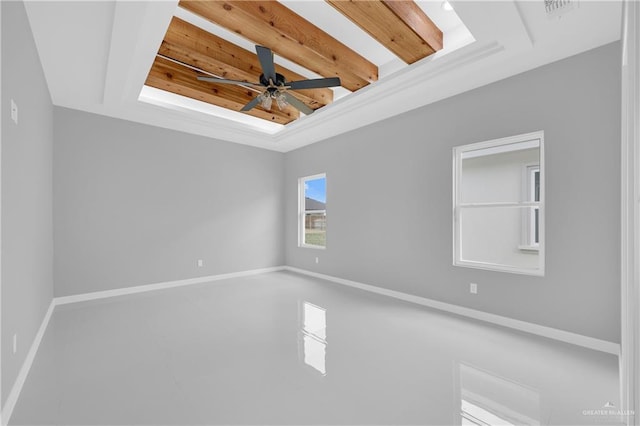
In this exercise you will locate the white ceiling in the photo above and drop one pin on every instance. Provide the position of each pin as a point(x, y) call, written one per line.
point(96, 56)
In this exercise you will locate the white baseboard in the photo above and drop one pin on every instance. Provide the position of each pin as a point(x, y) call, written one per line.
point(540, 330)
point(63, 300)
point(7, 410)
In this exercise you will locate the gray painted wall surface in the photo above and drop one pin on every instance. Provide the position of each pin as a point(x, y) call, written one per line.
point(389, 197)
point(136, 204)
point(27, 230)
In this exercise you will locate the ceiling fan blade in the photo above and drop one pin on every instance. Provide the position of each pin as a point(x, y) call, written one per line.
point(251, 104)
point(297, 104)
point(265, 56)
point(314, 83)
point(225, 81)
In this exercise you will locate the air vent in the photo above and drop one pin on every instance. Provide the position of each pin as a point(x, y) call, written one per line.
point(557, 8)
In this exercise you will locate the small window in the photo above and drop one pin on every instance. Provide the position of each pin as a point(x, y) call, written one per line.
point(312, 215)
point(499, 205)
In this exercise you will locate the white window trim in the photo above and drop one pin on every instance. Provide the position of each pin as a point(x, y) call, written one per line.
point(302, 211)
point(458, 154)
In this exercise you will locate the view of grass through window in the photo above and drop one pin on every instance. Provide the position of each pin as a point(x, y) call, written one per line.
point(315, 212)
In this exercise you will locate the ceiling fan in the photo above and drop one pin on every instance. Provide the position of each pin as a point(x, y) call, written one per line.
point(275, 86)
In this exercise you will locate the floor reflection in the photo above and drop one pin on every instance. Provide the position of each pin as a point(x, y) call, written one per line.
point(488, 399)
point(253, 350)
point(313, 336)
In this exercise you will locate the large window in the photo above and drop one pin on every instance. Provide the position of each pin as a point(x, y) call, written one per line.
point(499, 204)
point(312, 211)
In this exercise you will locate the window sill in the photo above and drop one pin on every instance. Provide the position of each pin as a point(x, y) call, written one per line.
point(500, 268)
point(531, 249)
point(312, 246)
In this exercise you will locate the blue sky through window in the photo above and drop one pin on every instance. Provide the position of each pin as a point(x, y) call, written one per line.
point(316, 189)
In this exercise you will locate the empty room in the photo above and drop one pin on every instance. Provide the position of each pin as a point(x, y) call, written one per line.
point(321, 212)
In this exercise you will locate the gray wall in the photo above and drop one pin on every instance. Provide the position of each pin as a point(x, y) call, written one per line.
point(136, 204)
point(389, 195)
point(27, 231)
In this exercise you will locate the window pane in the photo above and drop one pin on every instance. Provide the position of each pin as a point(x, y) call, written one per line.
point(494, 235)
point(498, 174)
point(536, 226)
point(315, 215)
point(315, 231)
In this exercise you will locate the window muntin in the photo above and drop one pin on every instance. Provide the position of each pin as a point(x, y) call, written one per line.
point(498, 208)
point(312, 211)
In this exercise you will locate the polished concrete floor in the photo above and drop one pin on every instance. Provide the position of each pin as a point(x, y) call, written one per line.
point(281, 348)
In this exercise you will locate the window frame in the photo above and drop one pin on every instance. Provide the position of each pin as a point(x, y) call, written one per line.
point(302, 210)
point(458, 206)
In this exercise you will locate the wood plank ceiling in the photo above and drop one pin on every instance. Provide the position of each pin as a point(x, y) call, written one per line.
point(188, 51)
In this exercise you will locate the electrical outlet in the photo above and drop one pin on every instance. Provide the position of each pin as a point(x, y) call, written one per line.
point(317, 260)
point(473, 288)
point(14, 111)
point(15, 343)
point(200, 263)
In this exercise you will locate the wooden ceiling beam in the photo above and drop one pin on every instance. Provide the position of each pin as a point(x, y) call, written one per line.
point(196, 47)
point(418, 21)
point(382, 23)
point(179, 79)
point(271, 24)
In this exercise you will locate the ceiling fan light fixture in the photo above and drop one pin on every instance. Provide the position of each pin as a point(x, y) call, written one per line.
point(265, 100)
point(281, 100)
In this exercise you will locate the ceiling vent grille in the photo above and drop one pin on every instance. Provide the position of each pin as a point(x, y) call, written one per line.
point(557, 8)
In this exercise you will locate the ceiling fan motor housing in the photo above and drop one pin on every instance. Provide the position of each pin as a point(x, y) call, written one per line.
point(280, 81)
